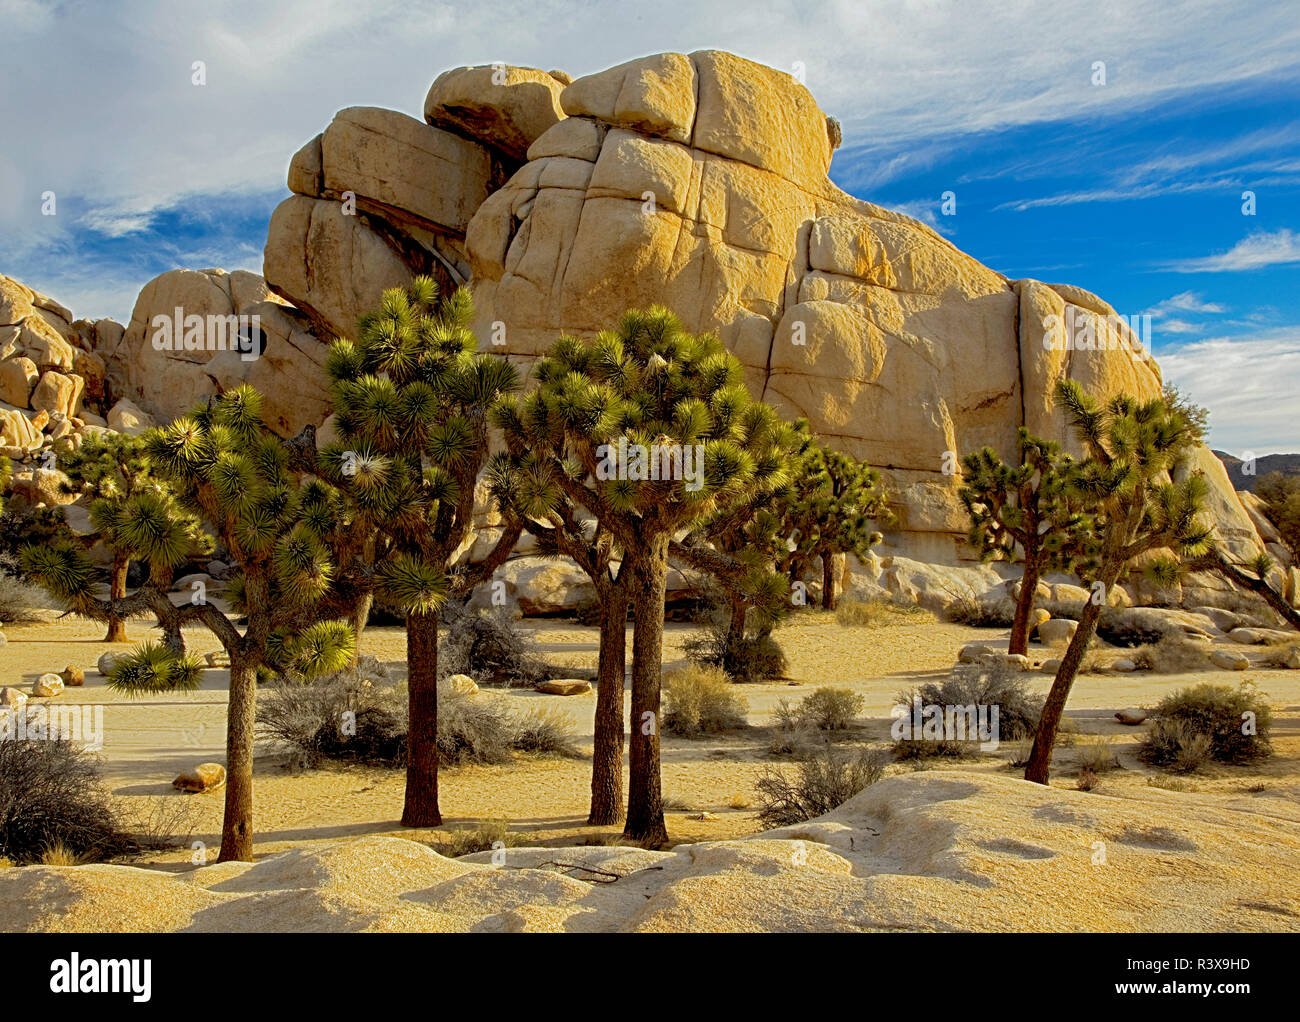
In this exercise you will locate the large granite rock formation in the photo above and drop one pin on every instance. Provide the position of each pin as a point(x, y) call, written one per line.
point(700, 182)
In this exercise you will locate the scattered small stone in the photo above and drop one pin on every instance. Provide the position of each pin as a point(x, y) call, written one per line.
point(12, 698)
point(1131, 717)
point(106, 662)
point(1292, 658)
point(703, 816)
point(48, 685)
point(73, 677)
point(564, 687)
point(1229, 660)
point(204, 777)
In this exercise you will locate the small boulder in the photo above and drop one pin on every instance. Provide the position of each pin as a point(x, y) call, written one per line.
point(1051, 666)
point(564, 687)
point(1229, 660)
point(73, 677)
point(1131, 717)
point(1123, 664)
point(1036, 617)
point(462, 683)
point(1057, 632)
point(704, 816)
point(47, 685)
point(218, 658)
point(1245, 636)
point(972, 651)
point(1291, 660)
point(106, 662)
point(12, 698)
point(204, 777)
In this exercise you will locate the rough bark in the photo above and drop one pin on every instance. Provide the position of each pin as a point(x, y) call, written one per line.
point(117, 591)
point(1040, 757)
point(607, 753)
point(358, 618)
point(237, 823)
point(421, 805)
point(828, 582)
point(645, 809)
point(1024, 606)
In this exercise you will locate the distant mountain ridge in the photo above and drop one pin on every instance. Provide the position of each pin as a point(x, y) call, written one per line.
point(1287, 464)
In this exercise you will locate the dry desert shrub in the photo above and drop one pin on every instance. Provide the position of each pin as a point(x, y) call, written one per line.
point(700, 700)
point(829, 708)
point(492, 648)
point(822, 781)
point(977, 613)
point(52, 795)
point(486, 836)
point(743, 658)
point(1173, 653)
point(1097, 755)
point(879, 612)
point(344, 717)
point(974, 685)
point(1209, 722)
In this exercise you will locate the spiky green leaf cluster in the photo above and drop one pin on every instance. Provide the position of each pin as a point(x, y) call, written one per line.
point(152, 668)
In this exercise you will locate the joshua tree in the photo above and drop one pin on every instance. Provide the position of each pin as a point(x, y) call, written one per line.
point(660, 432)
point(412, 399)
point(245, 483)
point(838, 503)
point(1133, 449)
point(1028, 507)
point(525, 483)
point(1251, 576)
point(112, 472)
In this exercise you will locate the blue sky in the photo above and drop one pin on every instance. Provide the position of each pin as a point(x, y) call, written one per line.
point(1131, 189)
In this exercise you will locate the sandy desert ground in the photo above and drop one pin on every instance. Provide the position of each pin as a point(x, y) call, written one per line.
point(148, 741)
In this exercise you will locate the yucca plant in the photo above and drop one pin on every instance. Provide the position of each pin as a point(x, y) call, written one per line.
point(251, 490)
point(656, 431)
point(837, 505)
point(412, 398)
point(1026, 511)
point(749, 547)
point(112, 474)
point(1134, 451)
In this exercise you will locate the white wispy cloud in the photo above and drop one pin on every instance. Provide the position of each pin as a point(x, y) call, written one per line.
point(1253, 252)
point(1249, 384)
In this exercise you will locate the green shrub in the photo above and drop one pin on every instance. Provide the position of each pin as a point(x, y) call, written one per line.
point(700, 700)
point(978, 685)
point(1215, 715)
point(823, 781)
point(743, 658)
point(830, 709)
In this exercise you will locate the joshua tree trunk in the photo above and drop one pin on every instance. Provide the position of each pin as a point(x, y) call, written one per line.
point(645, 807)
point(237, 824)
point(1040, 757)
point(117, 591)
point(607, 754)
point(1024, 606)
point(360, 615)
point(828, 582)
point(1220, 565)
point(736, 623)
point(421, 806)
